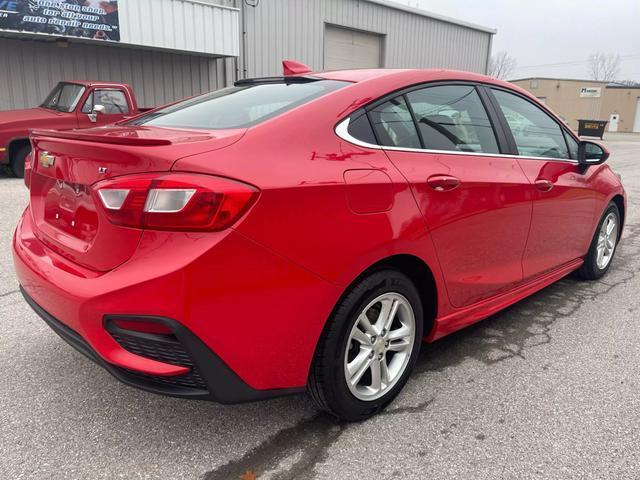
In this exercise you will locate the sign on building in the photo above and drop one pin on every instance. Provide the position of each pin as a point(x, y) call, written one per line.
point(590, 92)
point(94, 19)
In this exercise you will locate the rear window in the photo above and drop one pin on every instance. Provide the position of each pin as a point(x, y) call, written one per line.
point(238, 107)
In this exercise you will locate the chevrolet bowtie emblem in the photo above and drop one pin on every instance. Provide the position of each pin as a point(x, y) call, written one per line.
point(46, 160)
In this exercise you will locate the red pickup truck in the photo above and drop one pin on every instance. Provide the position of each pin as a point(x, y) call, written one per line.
point(76, 104)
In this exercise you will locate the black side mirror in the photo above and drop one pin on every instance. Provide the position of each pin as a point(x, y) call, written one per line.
point(591, 153)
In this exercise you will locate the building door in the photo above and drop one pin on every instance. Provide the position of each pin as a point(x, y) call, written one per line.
point(613, 122)
point(345, 49)
point(636, 123)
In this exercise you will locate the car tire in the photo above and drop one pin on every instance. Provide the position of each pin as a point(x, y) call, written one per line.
point(344, 343)
point(595, 263)
point(18, 159)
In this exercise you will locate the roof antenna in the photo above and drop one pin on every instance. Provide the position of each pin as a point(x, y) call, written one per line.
point(291, 67)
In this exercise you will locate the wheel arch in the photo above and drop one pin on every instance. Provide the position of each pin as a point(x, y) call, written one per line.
point(618, 199)
point(16, 144)
point(420, 274)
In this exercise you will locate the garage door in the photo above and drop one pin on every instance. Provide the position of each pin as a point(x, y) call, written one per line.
point(345, 48)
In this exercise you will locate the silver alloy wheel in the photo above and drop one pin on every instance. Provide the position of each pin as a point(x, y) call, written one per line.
point(607, 239)
point(379, 346)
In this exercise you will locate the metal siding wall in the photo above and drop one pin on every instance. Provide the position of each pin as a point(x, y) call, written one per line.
point(279, 29)
point(29, 69)
point(196, 26)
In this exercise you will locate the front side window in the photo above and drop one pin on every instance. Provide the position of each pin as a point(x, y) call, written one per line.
point(452, 117)
point(240, 106)
point(394, 125)
point(536, 134)
point(64, 97)
point(113, 101)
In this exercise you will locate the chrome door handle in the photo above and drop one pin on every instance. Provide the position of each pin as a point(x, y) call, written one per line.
point(443, 183)
point(543, 185)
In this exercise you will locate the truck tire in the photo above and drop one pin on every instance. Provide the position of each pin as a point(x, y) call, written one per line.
point(17, 160)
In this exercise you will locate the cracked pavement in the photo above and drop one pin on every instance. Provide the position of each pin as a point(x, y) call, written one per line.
point(547, 389)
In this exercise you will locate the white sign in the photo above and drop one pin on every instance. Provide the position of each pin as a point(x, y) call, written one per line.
point(590, 92)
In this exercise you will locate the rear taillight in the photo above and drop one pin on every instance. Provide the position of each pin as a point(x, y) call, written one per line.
point(175, 201)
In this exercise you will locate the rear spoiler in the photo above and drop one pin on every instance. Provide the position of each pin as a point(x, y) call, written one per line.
point(123, 136)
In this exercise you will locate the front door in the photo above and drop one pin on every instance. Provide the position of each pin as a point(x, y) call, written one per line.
point(476, 206)
point(613, 122)
point(563, 200)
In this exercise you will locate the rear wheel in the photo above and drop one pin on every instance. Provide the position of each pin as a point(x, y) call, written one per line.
point(369, 347)
point(18, 159)
point(603, 246)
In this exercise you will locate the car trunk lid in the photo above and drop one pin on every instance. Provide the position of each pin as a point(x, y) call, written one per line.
point(67, 213)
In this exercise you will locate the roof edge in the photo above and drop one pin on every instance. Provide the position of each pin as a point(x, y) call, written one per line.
point(435, 16)
point(586, 80)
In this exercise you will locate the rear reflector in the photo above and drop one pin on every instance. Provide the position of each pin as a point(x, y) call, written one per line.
point(175, 201)
point(142, 326)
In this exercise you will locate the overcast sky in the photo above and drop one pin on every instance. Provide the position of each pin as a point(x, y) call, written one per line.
point(543, 32)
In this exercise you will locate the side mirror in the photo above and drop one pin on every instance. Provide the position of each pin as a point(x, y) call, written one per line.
point(591, 153)
point(93, 116)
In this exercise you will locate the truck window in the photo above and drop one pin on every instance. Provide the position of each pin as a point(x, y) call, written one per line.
point(64, 97)
point(113, 101)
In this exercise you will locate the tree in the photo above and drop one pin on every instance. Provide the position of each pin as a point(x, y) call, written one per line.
point(501, 65)
point(604, 67)
point(628, 83)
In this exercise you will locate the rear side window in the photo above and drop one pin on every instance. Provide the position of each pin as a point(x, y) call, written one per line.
point(452, 117)
point(239, 106)
point(394, 125)
point(360, 128)
point(536, 134)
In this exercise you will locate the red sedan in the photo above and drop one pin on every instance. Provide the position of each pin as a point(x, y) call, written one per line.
point(308, 232)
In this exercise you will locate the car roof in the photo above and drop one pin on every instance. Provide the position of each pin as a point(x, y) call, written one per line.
point(425, 75)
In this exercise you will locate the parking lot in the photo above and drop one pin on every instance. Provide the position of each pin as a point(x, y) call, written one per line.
point(547, 389)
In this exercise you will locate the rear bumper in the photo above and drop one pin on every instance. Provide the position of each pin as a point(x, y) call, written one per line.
point(215, 380)
point(221, 294)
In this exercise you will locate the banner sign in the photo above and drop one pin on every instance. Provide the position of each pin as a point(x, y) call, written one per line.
point(590, 92)
point(94, 19)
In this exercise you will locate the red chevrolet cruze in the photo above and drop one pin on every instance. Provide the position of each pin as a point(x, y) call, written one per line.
point(307, 232)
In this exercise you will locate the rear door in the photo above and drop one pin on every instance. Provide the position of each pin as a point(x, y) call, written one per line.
point(116, 107)
point(476, 201)
point(563, 199)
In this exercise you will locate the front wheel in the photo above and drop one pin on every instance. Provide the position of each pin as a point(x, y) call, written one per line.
point(369, 347)
point(603, 246)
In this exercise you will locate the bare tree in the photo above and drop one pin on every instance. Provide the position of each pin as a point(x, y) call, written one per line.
point(604, 67)
point(501, 65)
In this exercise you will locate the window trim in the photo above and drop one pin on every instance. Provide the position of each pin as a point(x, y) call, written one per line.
point(504, 137)
point(496, 126)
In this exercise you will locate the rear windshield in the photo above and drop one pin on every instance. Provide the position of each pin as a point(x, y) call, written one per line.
point(64, 97)
point(238, 107)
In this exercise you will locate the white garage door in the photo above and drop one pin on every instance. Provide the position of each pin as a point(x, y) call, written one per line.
point(345, 48)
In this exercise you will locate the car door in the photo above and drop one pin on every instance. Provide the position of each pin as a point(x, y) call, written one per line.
point(563, 200)
point(114, 101)
point(475, 201)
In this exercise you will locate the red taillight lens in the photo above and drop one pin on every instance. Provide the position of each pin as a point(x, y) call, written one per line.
point(175, 201)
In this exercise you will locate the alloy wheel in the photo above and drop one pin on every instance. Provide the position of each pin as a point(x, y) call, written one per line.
point(607, 239)
point(379, 346)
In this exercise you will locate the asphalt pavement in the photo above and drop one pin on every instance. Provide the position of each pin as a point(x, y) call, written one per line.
point(548, 389)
